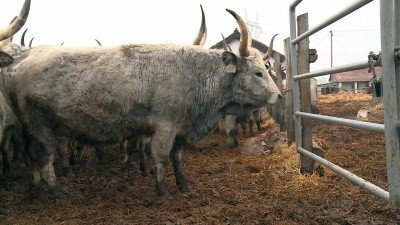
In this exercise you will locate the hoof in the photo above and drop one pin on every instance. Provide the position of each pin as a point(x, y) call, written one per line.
point(164, 194)
point(58, 192)
point(68, 172)
point(125, 168)
point(185, 188)
point(231, 146)
point(145, 174)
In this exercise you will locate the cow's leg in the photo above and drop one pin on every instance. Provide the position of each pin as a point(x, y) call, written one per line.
point(129, 149)
point(63, 149)
point(32, 152)
point(16, 146)
point(77, 151)
point(35, 178)
point(47, 172)
point(123, 145)
point(100, 153)
point(243, 126)
point(231, 131)
point(161, 145)
point(257, 118)
point(176, 158)
point(251, 130)
point(4, 153)
point(16, 141)
point(143, 145)
point(43, 146)
point(33, 163)
point(41, 164)
point(73, 159)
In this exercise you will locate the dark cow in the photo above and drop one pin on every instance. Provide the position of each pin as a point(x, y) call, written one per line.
point(102, 95)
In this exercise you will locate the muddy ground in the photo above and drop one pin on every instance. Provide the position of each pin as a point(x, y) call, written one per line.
point(227, 187)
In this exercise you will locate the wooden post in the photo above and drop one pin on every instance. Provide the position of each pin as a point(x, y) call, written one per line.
point(278, 72)
point(289, 111)
point(303, 66)
point(280, 107)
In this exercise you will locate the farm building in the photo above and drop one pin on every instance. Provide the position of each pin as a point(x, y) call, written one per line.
point(355, 81)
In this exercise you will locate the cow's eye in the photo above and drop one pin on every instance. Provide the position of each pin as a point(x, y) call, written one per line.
point(258, 74)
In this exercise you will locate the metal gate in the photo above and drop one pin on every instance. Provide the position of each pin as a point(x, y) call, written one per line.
point(390, 57)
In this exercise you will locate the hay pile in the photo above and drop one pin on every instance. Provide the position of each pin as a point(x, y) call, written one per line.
point(227, 187)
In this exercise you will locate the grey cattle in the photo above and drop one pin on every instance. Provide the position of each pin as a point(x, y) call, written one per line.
point(9, 126)
point(128, 145)
point(102, 95)
point(142, 142)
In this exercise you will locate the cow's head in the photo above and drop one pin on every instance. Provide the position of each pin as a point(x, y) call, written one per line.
point(252, 84)
point(7, 33)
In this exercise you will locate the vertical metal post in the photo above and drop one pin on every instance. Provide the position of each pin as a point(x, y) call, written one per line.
point(296, 86)
point(390, 12)
point(331, 76)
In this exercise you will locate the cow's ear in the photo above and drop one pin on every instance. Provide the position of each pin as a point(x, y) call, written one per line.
point(5, 59)
point(230, 61)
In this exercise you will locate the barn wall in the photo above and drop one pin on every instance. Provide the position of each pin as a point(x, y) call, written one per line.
point(363, 86)
point(347, 86)
point(354, 86)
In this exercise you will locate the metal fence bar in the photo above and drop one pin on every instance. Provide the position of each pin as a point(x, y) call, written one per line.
point(390, 38)
point(375, 127)
point(336, 69)
point(295, 83)
point(294, 4)
point(350, 176)
point(351, 8)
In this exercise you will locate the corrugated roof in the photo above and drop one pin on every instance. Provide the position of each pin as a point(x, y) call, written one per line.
point(357, 75)
point(255, 44)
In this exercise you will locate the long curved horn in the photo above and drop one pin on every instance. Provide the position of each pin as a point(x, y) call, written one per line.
point(245, 36)
point(226, 46)
point(269, 52)
point(30, 42)
point(18, 23)
point(269, 68)
point(10, 38)
point(98, 42)
point(23, 37)
point(202, 34)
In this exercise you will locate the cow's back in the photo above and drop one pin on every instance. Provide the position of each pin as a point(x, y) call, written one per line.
point(122, 88)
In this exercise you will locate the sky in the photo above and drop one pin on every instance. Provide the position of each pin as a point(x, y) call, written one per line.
point(116, 22)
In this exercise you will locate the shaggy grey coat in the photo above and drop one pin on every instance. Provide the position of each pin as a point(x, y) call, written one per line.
point(103, 95)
